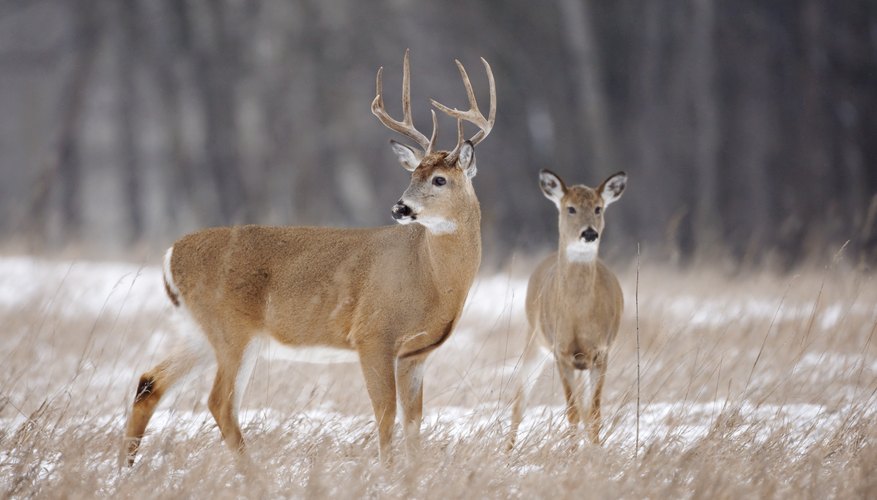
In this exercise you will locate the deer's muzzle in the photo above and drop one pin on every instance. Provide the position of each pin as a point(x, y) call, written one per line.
point(401, 210)
point(590, 234)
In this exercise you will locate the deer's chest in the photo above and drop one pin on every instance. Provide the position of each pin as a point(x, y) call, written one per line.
point(573, 317)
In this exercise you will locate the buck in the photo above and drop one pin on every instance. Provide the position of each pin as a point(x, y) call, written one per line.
point(389, 295)
point(573, 304)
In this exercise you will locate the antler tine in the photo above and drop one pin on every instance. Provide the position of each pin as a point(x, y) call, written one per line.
point(470, 94)
point(491, 115)
point(406, 126)
point(473, 114)
point(429, 149)
point(406, 90)
point(460, 137)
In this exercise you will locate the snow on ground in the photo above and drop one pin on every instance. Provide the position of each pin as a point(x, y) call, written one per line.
point(79, 288)
point(76, 289)
point(682, 425)
point(88, 288)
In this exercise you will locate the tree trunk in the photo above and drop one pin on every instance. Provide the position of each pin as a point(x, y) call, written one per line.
point(706, 127)
point(62, 168)
point(128, 116)
point(588, 73)
point(216, 71)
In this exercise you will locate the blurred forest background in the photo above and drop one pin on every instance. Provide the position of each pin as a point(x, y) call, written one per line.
point(748, 127)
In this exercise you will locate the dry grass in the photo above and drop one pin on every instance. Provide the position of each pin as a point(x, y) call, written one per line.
point(757, 385)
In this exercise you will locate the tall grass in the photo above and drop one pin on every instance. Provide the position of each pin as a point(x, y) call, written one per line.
point(753, 385)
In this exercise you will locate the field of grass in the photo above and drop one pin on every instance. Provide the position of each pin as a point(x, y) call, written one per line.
point(752, 385)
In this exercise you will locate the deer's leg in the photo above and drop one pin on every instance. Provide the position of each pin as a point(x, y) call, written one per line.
point(532, 363)
point(409, 385)
point(379, 370)
point(598, 376)
point(571, 390)
point(154, 384)
point(234, 368)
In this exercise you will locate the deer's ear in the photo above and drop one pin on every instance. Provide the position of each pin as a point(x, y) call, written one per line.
point(612, 188)
point(466, 159)
point(552, 186)
point(407, 156)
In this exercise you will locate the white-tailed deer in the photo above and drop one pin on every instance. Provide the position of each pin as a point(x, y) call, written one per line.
point(391, 294)
point(574, 303)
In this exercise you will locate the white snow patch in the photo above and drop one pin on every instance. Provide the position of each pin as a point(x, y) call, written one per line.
point(831, 316)
point(496, 296)
point(75, 288)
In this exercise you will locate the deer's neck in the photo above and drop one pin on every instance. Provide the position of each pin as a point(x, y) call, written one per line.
point(454, 257)
point(575, 277)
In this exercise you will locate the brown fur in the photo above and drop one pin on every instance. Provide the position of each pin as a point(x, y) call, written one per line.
point(387, 292)
point(427, 349)
point(573, 309)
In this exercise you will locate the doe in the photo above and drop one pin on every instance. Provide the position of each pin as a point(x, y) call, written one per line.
point(574, 303)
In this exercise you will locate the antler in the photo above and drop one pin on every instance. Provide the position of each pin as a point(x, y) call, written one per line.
point(473, 115)
point(406, 126)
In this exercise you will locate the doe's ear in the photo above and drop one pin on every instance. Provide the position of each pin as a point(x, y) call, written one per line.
point(552, 186)
point(466, 159)
point(407, 156)
point(612, 187)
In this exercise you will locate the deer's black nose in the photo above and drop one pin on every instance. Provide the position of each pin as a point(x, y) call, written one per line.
point(401, 210)
point(590, 234)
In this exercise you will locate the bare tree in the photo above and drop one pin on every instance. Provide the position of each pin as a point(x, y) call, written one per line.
point(706, 125)
point(128, 31)
point(575, 16)
point(746, 127)
point(61, 168)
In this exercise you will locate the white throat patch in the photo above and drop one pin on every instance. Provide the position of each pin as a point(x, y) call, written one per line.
point(582, 251)
point(438, 225)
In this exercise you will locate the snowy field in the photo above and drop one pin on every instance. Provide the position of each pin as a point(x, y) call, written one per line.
point(750, 385)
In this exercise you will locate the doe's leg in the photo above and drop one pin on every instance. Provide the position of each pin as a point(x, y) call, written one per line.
point(571, 382)
point(598, 377)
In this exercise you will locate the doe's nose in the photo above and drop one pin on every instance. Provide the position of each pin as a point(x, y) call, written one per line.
point(401, 210)
point(590, 234)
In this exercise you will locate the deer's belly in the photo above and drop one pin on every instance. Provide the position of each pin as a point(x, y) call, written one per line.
point(309, 354)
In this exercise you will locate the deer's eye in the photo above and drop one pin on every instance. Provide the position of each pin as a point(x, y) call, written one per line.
point(571, 210)
point(597, 210)
point(439, 181)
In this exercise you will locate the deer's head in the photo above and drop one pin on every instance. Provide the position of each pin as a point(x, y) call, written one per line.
point(440, 191)
point(580, 211)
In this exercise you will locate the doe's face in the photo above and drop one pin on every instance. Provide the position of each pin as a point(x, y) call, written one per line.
point(581, 219)
point(580, 212)
point(440, 189)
